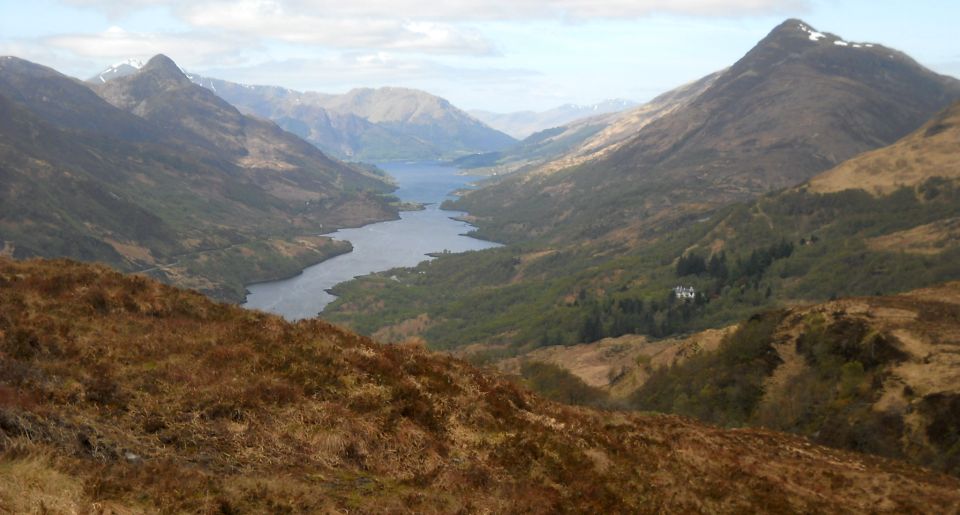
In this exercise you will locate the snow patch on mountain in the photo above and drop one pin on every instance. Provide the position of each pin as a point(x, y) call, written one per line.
point(815, 36)
point(120, 69)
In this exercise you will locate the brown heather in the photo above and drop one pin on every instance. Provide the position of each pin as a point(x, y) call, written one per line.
point(121, 395)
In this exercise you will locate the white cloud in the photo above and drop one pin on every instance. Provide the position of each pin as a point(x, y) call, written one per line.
point(416, 26)
point(349, 70)
point(115, 43)
point(471, 10)
point(462, 85)
point(273, 20)
point(548, 9)
point(334, 45)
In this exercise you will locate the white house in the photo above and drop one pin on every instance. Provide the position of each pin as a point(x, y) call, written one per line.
point(685, 292)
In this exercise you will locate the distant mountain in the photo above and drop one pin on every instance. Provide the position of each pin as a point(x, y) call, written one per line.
point(797, 104)
point(161, 93)
point(170, 180)
point(584, 139)
point(367, 124)
point(421, 115)
point(523, 124)
point(121, 69)
point(537, 149)
point(344, 135)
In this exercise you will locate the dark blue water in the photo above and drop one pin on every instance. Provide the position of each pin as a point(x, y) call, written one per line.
point(380, 246)
point(426, 182)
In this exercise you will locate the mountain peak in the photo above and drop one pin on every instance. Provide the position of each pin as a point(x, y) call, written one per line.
point(795, 30)
point(117, 70)
point(799, 30)
point(164, 64)
point(132, 62)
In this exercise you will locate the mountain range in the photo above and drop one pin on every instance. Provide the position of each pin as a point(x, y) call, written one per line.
point(367, 124)
point(794, 106)
point(584, 139)
point(161, 175)
point(522, 124)
point(596, 249)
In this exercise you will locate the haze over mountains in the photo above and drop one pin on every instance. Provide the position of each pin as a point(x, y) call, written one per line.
point(584, 139)
point(522, 124)
point(367, 124)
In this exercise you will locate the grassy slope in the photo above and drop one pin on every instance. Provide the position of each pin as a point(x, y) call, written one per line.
point(122, 393)
point(589, 240)
point(900, 235)
point(526, 296)
point(873, 374)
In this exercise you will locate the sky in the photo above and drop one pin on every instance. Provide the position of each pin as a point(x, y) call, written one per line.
point(496, 55)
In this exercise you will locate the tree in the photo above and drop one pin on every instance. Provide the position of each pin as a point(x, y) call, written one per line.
point(691, 264)
point(718, 266)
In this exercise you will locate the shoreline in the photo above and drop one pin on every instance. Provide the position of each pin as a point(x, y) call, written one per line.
point(300, 303)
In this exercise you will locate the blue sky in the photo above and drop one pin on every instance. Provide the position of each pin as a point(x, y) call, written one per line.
point(500, 55)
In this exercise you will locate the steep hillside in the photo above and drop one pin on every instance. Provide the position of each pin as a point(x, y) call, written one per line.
point(381, 124)
point(561, 147)
point(122, 395)
point(797, 104)
point(930, 151)
point(161, 93)
point(536, 149)
point(874, 374)
point(192, 191)
point(797, 245)
point(616, 367)
point(523, 124)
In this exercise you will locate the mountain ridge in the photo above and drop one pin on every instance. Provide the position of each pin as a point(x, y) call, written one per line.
point(120, 69)
point(366, 123)
point(85, 179)
point(789, 109)
point(162, 93)
point(587, 139)
point(522, 124)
